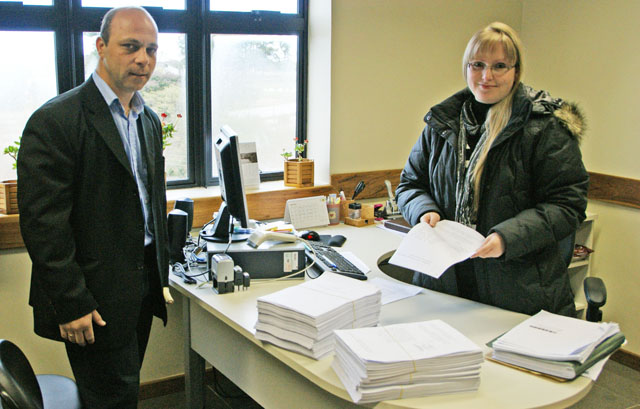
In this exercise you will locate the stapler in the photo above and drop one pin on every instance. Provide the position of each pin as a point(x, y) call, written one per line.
point(259, 236)
point(391, 210)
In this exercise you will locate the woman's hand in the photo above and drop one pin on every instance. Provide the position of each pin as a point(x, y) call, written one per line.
point(493, 246)
point(431, 218)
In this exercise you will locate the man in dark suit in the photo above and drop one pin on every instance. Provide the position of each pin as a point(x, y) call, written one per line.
point(93, 214)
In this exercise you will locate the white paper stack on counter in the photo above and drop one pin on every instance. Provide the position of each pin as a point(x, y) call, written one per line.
point(302, 318)
point(556, 345)
point(406, 360)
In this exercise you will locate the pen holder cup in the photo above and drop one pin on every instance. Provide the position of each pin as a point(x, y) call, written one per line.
point(334, 213)
point(344, 208)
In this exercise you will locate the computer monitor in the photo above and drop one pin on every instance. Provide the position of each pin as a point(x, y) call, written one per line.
point(234, 201)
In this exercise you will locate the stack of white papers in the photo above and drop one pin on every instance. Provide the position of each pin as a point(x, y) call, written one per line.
point(557, 345)
point(406, 360)
point(302, 318)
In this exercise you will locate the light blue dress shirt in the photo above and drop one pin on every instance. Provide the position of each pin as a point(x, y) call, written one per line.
point(128, 129)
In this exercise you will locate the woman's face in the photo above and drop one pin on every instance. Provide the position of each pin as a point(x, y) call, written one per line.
point(487, 86)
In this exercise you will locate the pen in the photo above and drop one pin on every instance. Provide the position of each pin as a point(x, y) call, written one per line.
point(359, 188)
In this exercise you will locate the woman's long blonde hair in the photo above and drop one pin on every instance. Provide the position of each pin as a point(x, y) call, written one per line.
point(484, 41)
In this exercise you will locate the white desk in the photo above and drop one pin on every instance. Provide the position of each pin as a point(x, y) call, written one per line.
point(219, 329)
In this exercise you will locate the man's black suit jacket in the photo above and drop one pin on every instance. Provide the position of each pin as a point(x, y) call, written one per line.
point(81, 218)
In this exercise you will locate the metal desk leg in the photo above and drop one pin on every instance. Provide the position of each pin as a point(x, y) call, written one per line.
point(193, 364)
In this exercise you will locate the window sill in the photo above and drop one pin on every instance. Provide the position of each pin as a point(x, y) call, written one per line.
point(264, 203)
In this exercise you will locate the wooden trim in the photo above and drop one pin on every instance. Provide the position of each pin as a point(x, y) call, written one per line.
point(10, 237)
point(161, 387)
point(265, 205)
point(169, 385)
point(614, 189)
point(374, 183)
point(261, 205)
point(627, 358)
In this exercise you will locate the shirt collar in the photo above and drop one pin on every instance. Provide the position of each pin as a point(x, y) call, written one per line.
point(137, 102)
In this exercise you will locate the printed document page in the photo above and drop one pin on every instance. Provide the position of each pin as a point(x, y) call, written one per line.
point(394, 291)
point(431, 250)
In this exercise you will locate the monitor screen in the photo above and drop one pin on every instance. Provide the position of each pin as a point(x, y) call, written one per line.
point(234, 203)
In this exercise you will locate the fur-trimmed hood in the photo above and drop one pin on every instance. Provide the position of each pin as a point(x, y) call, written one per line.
point(569, 113)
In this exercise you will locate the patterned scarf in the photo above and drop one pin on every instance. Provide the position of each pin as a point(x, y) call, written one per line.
point(466, 212)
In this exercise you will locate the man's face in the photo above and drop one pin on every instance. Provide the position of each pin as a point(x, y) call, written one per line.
point(127, 62)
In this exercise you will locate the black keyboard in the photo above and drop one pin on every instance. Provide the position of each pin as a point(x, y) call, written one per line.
point(327, 259)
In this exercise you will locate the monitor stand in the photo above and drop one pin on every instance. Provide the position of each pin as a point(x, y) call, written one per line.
point(219, 231)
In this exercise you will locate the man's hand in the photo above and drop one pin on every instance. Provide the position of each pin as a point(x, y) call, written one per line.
point(80, 331)
point(167, 295)
point(431, 218)
point(493, 246)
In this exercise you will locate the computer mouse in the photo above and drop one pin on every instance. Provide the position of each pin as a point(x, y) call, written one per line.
point(309, 235)
point(337, 240)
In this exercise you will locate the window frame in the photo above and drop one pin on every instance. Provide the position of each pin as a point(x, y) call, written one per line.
point(69, 20)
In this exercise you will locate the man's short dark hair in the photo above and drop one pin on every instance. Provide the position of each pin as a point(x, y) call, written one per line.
point(105, 27)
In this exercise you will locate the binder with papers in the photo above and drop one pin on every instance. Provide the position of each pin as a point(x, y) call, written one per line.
point(405, 360)
point(302, 318)
point(557, 346)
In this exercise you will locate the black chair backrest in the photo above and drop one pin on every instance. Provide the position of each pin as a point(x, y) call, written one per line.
point(19, 387)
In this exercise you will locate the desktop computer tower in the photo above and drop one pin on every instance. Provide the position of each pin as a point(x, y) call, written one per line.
point(270, 260)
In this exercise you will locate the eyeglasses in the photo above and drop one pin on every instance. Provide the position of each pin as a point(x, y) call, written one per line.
point(497, 69)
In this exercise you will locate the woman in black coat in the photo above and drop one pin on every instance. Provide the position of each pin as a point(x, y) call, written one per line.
point(504, 159)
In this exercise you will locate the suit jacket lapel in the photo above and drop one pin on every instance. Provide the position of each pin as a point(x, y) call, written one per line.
point(99, 116)
point(147, 143)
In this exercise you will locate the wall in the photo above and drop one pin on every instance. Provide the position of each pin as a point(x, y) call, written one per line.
point(584, 51)
point(391, 61)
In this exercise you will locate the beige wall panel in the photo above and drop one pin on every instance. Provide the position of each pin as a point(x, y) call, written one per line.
point(391, 61)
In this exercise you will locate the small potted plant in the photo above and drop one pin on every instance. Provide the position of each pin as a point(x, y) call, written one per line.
point(168, 128)
point(298, 171)
point(9, 188)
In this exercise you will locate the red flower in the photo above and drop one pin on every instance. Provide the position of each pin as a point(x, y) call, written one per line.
point(179, 115)
point(163, 115)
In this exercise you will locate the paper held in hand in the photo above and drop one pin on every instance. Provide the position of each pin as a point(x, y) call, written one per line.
point(431, 250)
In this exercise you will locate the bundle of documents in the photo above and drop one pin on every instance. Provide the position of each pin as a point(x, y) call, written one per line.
point(556, 345)
point(302, 318)
point(405, 360)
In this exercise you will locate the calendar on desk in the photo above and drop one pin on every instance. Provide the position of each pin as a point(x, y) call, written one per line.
point(307, 212)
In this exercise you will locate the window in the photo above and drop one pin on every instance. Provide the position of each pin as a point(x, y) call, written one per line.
point(253, 90)
point(283, 6)
point(240, 63)
point(30, 80)
point(165, 4)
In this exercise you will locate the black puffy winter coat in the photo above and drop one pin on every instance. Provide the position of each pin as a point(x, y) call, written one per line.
point(533, 193)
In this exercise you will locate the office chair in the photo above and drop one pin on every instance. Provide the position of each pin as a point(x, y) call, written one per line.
point(20, 388)
point(594, 288)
